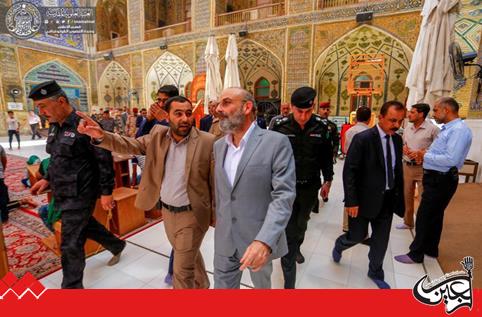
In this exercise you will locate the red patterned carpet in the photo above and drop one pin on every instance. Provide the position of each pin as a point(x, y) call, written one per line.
point(24, 231)
point(25, 250)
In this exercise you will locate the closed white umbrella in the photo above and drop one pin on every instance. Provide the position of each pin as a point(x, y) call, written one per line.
point(231, 76)
point(430, 76)
point(214, 84)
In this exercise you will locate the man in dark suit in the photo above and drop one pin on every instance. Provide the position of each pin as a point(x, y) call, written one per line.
point(207, 120)
point(373, 184)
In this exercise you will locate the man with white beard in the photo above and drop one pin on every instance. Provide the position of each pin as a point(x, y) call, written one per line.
point(255, 189)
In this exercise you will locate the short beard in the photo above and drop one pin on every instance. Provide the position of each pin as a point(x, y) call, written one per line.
point(234, 123)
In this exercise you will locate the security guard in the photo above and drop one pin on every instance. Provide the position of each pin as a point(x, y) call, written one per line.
point(313, 152)
point(77, 174)
point(332, 136)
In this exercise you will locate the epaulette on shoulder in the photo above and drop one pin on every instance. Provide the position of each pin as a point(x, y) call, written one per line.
point(318, 118)
point(281, 121)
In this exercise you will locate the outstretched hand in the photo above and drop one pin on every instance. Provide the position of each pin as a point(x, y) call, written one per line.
point(89, 127)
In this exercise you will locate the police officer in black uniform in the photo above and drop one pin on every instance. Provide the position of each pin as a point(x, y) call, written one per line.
point(78, 173)
point(313, 152)
point(332, 136)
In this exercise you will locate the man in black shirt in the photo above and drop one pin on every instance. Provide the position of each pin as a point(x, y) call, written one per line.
point(78, 173)
point(312, 152)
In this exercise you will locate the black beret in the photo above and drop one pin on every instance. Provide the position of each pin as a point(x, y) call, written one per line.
point(45, 90)
point(303, 97)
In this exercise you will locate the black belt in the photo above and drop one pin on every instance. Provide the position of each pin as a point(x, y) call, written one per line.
point(409, 163)
point(175, 209)
point(449, 172)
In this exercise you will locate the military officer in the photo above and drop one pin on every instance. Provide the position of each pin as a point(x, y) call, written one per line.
point(312, 152)
point(78, 173)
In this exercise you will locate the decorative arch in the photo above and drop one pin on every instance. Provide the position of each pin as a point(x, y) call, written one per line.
point(256, 61)
point(331, 67)
point(114, 86)
point(70, 81)
point(111, 17)
point(168, 69)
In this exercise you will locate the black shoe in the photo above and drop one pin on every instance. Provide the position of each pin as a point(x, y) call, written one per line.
point(367, 241)
point(116, 258)
point(300, 258)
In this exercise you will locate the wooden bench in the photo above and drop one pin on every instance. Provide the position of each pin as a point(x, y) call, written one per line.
point(122, 219)
point(469, 169)
point(125, 215)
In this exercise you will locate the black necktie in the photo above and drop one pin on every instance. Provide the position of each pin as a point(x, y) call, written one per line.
point(389, 163)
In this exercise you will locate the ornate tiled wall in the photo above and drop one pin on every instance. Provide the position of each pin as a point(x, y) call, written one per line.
point(29, 58)
point(271, 40)
point(468, 34)
point(9, 75)
point(293, 42)
point(298, 62)
point(9, 78)
point(331, 68)
point(137, 79)
point(201, 14)
point(256, 62)
point(136, 11)
point(200, 64)
point(298, 6)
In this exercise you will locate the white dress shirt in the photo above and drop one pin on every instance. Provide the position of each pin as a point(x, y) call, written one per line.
point(234, 154)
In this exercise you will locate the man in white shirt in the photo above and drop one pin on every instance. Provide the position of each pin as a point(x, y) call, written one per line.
point(13, 129)
point(417, 136)
point(255, 189)
point(33, 121)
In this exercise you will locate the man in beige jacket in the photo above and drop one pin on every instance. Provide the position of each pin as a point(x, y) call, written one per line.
point(177, 174)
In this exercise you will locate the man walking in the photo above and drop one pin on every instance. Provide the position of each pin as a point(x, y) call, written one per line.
point(78, 174)
point(177, 174)
point(313, 153)
point(255, 190)
point(373, 185)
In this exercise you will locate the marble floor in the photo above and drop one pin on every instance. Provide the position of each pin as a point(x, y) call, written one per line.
point(145, 261)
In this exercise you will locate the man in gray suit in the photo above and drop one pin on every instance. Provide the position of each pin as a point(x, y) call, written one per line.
point(255, 190)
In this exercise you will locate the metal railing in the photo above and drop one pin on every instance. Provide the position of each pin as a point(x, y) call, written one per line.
point(251, 14)
point(327, 4)
point(110, 44)
point(168, 30)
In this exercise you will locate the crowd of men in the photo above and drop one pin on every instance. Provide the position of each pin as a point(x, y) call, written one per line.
point(257, 186)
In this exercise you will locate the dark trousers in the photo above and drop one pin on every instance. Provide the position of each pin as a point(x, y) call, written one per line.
point(171, 263)
point(34, 128)
point(78, 225)
point(11, 133)
point(3, 201)
point(438, 190)
point(306, 197)
point(358, 231)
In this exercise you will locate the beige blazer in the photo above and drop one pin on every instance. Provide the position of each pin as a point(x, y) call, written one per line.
point(199, 167)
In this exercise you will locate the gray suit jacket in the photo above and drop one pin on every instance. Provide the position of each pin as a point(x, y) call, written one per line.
point(258, 206)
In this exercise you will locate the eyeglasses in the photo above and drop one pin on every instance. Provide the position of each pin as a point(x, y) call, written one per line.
point(162, 99)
